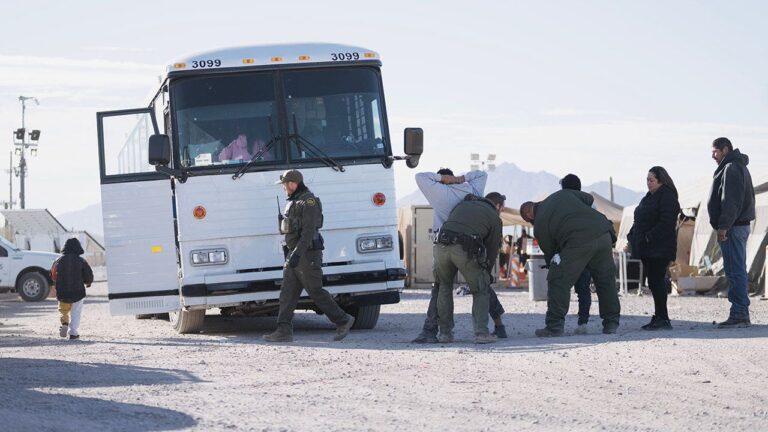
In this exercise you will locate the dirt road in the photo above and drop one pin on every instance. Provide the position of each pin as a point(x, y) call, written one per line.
point(132, 375)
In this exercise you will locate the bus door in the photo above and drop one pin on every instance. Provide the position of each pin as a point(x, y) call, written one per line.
point(138, 213)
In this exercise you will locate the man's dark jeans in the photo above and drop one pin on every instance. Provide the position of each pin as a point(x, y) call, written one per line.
point(495, 309)
point(735, 263)
point(585, 296)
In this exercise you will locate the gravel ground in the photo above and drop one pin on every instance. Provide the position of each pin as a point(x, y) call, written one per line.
point(138, 375)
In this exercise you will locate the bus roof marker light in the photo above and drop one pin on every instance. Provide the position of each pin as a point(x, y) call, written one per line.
point(249, 61)
point(199, 212)
point(179, 65)
point(379, 199)
point(303, 57)
point(276, 59)
point(369, 55)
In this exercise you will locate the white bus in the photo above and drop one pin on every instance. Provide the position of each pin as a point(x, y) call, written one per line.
point(189, 199)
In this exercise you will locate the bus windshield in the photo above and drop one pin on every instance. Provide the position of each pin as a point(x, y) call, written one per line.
point(339, 111)
point(227, 119)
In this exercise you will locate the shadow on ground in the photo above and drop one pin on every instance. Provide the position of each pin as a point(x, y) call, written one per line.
point(38, 402)
point(393, 332)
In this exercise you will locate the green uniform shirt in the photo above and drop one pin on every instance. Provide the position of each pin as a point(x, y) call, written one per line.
point(479, 218)
point(567, 218)
point(305, 217)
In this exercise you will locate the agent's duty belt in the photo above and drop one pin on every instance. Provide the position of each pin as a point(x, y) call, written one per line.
point(445, 237)
point(472, 244)
point(468, 241)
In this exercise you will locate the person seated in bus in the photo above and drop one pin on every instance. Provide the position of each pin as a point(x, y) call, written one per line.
point(238, 150)
point(338, 141)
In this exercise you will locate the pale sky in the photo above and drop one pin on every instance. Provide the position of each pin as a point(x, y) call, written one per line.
point(598, 88)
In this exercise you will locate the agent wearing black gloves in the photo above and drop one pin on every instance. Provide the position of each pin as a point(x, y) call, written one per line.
point(303, 217)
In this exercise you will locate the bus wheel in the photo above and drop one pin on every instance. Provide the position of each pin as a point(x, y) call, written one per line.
point(33, 287)
point(187, 321)
point(366, 317)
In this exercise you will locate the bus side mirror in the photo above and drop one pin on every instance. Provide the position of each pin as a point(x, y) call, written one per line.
point(159, 150)
point(414, 146)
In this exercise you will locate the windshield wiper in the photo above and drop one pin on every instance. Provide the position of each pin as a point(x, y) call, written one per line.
point(267, 147)
point(256, 157)
point(303, 142)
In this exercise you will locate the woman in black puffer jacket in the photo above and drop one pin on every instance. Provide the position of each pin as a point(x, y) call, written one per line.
point(653, 239)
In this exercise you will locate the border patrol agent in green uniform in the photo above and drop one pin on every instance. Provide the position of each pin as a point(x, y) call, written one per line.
point(304, 257)
point(574, 236)
point(468, 242)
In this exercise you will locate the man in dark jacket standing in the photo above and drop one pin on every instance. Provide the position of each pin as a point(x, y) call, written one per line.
point(72, 274)
point(574, 236)
point(303, 266)
point(731, 208)
point(468, 242)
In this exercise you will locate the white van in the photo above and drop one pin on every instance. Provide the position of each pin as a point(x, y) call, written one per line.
point(189, 199)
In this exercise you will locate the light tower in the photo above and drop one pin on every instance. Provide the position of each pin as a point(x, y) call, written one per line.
point(476, 164)
point(21, 145)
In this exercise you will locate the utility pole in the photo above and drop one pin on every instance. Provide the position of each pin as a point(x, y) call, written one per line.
point(610, 187)
point(10, 184)
point(22, 145)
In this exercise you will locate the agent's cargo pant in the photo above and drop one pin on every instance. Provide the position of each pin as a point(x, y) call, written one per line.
point(597, 257)
point(449, 260)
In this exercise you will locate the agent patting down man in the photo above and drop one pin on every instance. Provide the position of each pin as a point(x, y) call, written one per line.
point(573, 236)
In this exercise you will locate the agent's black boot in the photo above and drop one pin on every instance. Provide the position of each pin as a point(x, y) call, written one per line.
point(282, 334)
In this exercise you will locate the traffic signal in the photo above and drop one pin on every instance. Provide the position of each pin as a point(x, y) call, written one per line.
point(35, 135)
point(20, 134)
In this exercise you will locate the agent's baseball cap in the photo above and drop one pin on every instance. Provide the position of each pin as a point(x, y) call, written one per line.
point(496, 198)
point(290, 176)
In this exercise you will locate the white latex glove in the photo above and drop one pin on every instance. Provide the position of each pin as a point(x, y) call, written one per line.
point(556, 259)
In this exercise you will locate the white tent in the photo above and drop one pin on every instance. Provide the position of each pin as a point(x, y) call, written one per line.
point(757, 238)
point(511, 217)
point(611, 210)
point(704, 246)
point(703, 235)
point(627, 219)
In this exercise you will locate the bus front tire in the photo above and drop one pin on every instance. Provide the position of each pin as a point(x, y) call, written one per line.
point(187, 321)
point(366, 317)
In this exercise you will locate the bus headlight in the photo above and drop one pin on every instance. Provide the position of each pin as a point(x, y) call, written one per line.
point(374, 244)
point(209, 257)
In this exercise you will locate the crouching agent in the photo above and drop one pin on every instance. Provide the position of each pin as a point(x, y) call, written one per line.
point(468, 242)
point(573, 236)
point(302, 269)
